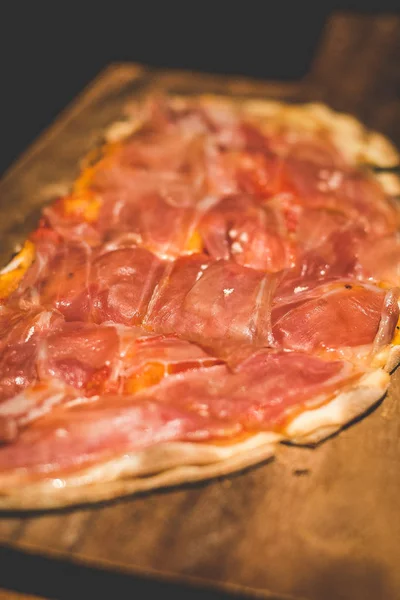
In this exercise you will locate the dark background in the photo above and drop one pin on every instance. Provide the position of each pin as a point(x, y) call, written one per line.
point(49, 51)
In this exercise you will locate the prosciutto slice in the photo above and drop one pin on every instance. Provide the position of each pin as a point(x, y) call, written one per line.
point(45, 361)
point(21, 333)
point(146, 360)
point(122, 283)
point(157, 225)
point(65, 284)
point(380, 261)
point(241, 229)
point(194, 405)
point(111, 286)
point(356, 196)
point(335, 317)
point(76, 360)
point(80, 355)
point(221, 300)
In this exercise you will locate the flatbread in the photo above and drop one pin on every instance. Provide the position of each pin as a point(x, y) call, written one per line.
point(175, 463)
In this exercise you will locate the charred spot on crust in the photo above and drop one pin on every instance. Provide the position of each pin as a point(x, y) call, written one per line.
point(301, 472)
point(395, 169)
point(348, 286)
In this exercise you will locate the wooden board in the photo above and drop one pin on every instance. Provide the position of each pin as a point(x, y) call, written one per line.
point(322, 523)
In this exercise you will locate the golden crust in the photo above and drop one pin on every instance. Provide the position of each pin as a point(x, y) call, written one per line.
point(358, 144)
point(177, 463)
point(167, 464)
point(312, 426)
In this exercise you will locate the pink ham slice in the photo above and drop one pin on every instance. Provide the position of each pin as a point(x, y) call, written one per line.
point(359, 197)
point(30, 404)
point(389, 319)
point(69, 438)
point(153, 223)
point(154, 210)
point(334, 317)
point(231, 172)
point(174, 152)
point(85, 360)
point(254, 236)
point(81, 356)
point(315, 227)
point(114, 286)
point(46, 245)
point(257, 394)
point(45, 362)
point(66, 286)
point(377, 211)
point(266, 164)
point(329, 249)
point(123, 281)
point(157, 217)
point(205, 301)
point(194, 405)
point(380, 261)
point(336, 258)
point(21, 333)
point(72, 228)
point(172, 353)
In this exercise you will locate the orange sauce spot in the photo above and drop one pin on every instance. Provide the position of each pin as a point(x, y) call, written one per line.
point(82, 204)
point(93, 161)
point(194, 243)
point(383, 285)
point(16, 269)
point(151, 374)
point(192, 364)
point(84, 180)
point(396, 339)
point(236, 439)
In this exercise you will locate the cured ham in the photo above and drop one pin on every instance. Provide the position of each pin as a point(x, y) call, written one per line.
point(123, 281)
point(380, 262)
point(111, 286)
point(358, 197)
point(153, 223)
point(208, 277)
point(153, 212)
point(21, 335)
point(43, 366)
point(146, 360)
point(65, 285)
point(203, 301)
point(46, 361)
point(335, 317)
point(193, 406)
point(239, 228)
point(80, 355)
point(335, 259)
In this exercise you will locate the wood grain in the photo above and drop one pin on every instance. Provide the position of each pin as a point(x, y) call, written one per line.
point(314, 523)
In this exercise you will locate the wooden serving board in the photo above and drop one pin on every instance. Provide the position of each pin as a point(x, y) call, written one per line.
point(313, 523)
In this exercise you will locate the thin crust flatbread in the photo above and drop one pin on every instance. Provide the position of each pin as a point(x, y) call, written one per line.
point(175, 463)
